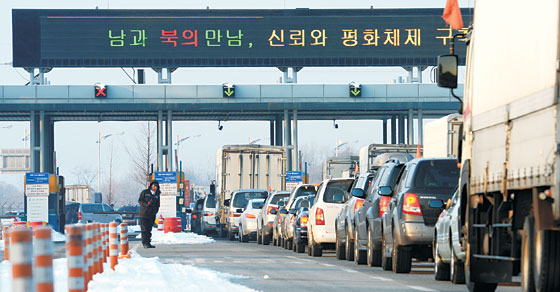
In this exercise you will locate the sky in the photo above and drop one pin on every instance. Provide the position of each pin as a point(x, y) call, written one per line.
point(75, 142)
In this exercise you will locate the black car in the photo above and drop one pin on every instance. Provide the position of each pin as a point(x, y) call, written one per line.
point(196, 216)
point(300, 225)
point(130, 214)
point(368, 218)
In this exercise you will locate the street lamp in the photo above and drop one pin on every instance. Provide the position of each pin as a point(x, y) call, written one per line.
point(177, 144)
point(339, 144)
point(101, 138)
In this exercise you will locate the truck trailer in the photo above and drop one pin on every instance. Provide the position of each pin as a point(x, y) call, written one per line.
point(441, 137)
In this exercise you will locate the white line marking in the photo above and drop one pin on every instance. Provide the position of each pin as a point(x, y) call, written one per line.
point(327, 265)
point(349, 271)
point(420, 288)
point(218, 261)
point(381, 279)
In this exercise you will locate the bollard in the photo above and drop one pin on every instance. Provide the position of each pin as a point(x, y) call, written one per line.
point(95, 255)
point(84, 252)
point(113, 244)
point(21, 256)
point(99, 248)
point(6, 231)
point(124, 241)
point(160, 223)
point(90, 252)
point(75, 256)
point(43, 253)
point(105, 242)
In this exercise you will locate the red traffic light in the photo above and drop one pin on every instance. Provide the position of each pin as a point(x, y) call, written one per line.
point(100, 90)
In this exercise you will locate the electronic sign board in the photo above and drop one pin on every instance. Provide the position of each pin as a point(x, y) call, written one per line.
point(231, 38)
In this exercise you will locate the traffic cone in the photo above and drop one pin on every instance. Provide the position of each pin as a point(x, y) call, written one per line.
point(160, 223)
point(418, 151)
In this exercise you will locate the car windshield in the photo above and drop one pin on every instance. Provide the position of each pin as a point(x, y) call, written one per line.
point(92, 208)
point(277, 198)
point(257, 204)
point(305, 191)
point(337, 191)
point(211, 202)
point(242, 199)
point(436, 174)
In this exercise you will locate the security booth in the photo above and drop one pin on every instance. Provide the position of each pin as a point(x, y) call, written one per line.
point(174, 198)
point(44, 199)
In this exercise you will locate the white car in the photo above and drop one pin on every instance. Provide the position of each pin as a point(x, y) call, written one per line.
point(266, 217)
point(331, 196)
point(448, 255)
point(209, 215)
point(248, 221)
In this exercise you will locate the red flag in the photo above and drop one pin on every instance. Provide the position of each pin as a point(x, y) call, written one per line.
point(452, 14)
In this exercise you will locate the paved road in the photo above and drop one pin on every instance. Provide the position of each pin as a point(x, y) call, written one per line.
point(269, 268)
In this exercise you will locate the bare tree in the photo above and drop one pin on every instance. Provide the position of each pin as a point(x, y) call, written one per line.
point(85, 176)
point(143, 153)
point(109, 195)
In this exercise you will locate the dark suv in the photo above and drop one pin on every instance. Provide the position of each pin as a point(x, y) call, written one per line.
point(409, 223)
point(368, 218)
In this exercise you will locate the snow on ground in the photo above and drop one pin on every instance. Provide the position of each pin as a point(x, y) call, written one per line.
point(159, 237)
point(1, 249)
point(58, 237)
point(132, 230)
point(140, 274)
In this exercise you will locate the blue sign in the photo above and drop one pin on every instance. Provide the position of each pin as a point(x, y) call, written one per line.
point(37, 178)
point(294, 176)
point(166, 177)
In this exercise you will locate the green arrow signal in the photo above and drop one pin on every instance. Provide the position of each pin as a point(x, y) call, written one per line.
point(229, 92)
point(355, 91)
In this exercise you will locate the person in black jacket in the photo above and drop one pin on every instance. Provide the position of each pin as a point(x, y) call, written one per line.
point(149, 206)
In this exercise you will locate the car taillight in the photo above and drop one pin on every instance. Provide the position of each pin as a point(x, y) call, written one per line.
point(411, 204)
point(319, 217)
point(250, 216)
point(270, 208)
point(358, 204)
point(194, 216)
point(208, 214)
point(303, 221)
point(79, 215)
point(231, 214)
point(383, 204)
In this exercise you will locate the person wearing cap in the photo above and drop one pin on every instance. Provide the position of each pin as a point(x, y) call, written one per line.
point(149, 206)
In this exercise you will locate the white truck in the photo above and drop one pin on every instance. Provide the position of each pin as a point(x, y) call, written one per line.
point(338, 167)
point(247, 167)
point(79, 194)
point(510, 158)
point(369, 153)
point(441, 137)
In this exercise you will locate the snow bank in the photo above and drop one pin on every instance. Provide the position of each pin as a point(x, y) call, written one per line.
point(58, 237)
point(139, 274)
point(159, 237)
point(1, 249)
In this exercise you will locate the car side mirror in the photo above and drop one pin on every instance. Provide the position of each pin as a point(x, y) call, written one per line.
point(189, 211)
point(358, 193)
point(447, 71)
point(304, 204)
point(292, 211)
point(239, 210)
point(385, 191)
point(273, 211)
point(226, 202)
point(281, 203)
point(283, 211)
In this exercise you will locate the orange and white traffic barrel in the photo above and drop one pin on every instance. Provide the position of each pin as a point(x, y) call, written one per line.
point(6, 231)
point(99, 248)
point(43, 265)
point(113, 244)
point(160, 223)
point(105, 242)
point(124, 241)
point(89, 228)
point(21, 256)
point(75, 256)
point(94, 259)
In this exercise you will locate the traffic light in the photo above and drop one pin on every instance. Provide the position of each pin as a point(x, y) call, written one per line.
point(100, 90)
point(355, 89)
point(228, 90)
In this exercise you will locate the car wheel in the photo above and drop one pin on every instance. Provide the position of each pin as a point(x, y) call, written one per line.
point(239, 234)
point(274, 241)
point(457, 269)
point(265, 238)
point(546, 261)
point(340, 254)
point(359, 255)
point(259, 238)
point(373, 256)
point(386, 259)
point(441, 272)
point(309, 244)
point(288, 244)
point(316, 250)
point(300, 247)
point(294, 244)
point(231, 236)
point(402, 260)
point(349, 247)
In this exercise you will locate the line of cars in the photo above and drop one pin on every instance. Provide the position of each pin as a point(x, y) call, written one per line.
point(403, 209)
